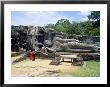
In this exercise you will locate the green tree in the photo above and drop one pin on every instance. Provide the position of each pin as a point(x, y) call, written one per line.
point(62, 25)
point(50, 26)
point(95, 18)
point(90, 28)
point(86, 27)
point(73, 28)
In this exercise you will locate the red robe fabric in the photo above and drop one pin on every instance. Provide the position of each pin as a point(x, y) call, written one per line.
point(32, 56)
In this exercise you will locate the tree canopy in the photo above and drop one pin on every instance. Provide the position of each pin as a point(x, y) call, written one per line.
point(95, 18)
point(90, 27)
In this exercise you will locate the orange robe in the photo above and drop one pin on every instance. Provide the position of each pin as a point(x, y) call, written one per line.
point(32, 56)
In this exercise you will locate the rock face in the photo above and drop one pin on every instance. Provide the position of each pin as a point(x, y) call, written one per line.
point(48, 43)
point(32, 37)
point(18, 38)
point(72, 45)
point(56, 61)
point(78, 61)
point(26, 37)
point(90, 56)
point(35, 37)
point(85, 39)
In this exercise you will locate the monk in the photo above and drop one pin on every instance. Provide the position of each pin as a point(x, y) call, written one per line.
point(32, 55)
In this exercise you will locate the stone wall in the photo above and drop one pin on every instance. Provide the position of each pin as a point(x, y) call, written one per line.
point(26, 37)
point(86, 39)
point(89, 39)
point(30, 37)
point(18, 37)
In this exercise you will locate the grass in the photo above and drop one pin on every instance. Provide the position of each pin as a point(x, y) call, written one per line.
point(89, 69)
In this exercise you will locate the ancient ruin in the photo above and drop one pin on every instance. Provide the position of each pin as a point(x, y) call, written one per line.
point(36, 37)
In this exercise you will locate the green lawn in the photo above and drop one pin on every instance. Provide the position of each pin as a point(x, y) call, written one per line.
point(89, 69)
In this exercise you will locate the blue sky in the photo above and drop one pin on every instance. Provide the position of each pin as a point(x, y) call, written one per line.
point(42, 18)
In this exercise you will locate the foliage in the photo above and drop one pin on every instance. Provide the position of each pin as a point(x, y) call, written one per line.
point(73, 29)
point(50, 26)
point(62, 25)
point(95, 18)
point(90, 27)
point(89, 69)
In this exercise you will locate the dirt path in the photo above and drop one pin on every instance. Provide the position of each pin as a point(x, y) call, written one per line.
point(41, 68)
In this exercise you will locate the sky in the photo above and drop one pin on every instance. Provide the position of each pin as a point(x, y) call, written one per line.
point(41, 18)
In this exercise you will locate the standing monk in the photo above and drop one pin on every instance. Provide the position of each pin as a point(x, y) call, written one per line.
point(32, 55)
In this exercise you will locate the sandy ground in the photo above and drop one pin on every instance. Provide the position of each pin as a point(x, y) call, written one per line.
point(41, 68)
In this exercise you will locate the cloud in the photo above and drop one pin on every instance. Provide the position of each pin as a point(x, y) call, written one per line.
point(86, 13)
point(45, 17)
point(42, 18)
point(84, 19)
point(34, 17)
